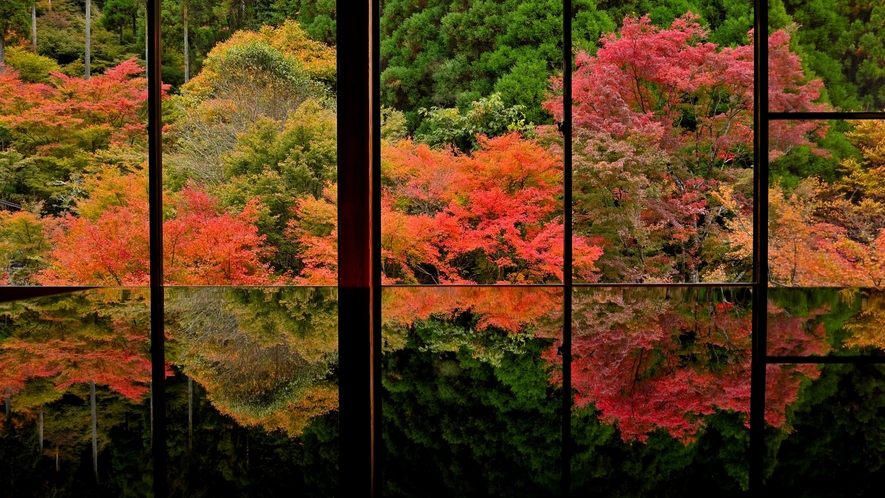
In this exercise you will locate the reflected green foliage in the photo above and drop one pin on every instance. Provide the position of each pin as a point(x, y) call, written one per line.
point(603, 465)
point(266, 357)
point(220, 457)
point(455, 425)
point(839, 433)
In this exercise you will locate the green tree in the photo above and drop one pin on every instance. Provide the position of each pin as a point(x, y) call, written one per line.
point(447, 54)
point(13, 19)
point(117, 14)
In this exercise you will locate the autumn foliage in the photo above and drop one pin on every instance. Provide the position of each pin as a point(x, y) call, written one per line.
point(666, 358)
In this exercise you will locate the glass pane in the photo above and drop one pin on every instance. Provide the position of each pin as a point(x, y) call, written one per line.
point(250, 158)
point(826, 321)
point(253, 391)
point(75, 374)
point(832, 442)
point(471, 161)
point(73, 150)
point(826, 204)
point(840, 42)
point(661, 379)
point(471, 394)
point(663, 140)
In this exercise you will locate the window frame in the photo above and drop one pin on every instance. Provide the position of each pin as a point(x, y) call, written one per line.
point(359, 216)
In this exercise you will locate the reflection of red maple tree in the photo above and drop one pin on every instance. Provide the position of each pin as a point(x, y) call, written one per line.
point(663, 359)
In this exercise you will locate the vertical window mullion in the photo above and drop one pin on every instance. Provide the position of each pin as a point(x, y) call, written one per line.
point(358, 277)
point(155, 199)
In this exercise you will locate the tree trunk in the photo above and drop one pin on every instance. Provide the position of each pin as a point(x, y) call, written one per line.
point(146, 74)
point(34, 25)
point(7, 402)
point(187, 58)
point(94, 424)
point(88, 38)
point(190, 413)
point(56, 459)
point(2, 55)
point(40, 416)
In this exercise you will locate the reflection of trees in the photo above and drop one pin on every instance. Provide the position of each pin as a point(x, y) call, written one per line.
point(664, 358)
point(522, 312)
point(852, 319)
point(265, 356)
point(73, 367)
point(836, 448)
point(468, 406)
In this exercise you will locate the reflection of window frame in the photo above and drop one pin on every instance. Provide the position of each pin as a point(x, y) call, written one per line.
point(359, 246)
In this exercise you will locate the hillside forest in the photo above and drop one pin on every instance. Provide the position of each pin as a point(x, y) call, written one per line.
point(471, 150)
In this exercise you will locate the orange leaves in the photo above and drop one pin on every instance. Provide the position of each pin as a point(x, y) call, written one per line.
point(803, 252)
point(204, 246)
point(512, 309)
point(89, 114)
point(492, 216)
point(316, 229)
point(110, 245)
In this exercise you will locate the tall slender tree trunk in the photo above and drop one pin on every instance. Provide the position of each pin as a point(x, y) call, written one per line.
point(187, 57)
point(7, 401)
point(190, 413)
point(2, 54)
point(94, 426)
point(57, 468)
point(88, 38)
point(146, 74)
point(40, 416)
point(34, 25)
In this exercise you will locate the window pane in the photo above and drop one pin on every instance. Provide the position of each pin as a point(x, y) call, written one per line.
point(826, 203)
point(663, 140)
point(661, 379)
point(250, 158)
point(840, 42)
point(471, 161)
point(471, 381)
point(75, 374)
point(73, 149)
point(832, 442)
point(253, 391)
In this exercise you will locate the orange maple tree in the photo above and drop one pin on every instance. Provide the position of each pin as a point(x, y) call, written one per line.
point(108, 243)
